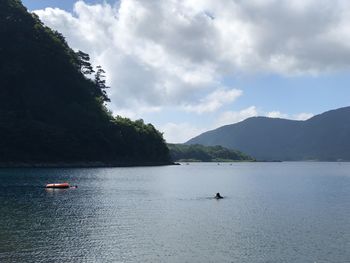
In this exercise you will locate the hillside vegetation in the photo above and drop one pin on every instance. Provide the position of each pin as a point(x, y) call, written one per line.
point(200, 153)
point(53, 102)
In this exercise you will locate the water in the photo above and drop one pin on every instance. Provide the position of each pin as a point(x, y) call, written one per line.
point(273, 212)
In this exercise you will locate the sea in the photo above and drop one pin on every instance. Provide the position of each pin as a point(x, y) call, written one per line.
point(271, 212)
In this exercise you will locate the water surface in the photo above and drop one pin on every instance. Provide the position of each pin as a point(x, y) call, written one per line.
point(273, 212)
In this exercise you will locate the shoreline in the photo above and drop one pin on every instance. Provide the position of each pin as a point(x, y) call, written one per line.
point(81, 164)
point(9, 165)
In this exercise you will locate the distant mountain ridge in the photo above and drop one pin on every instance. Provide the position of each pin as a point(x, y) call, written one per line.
point(324, 137)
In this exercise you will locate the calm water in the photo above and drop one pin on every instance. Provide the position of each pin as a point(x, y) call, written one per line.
point(273, 212)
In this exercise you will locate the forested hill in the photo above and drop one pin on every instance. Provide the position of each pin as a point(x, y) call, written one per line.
point(200, 153)
point(324, 137)
point(52, 102)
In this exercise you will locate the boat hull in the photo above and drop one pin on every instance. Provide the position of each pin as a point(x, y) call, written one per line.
point(59, 186)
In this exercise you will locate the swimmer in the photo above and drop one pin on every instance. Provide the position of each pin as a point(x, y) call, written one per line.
point(218, 196)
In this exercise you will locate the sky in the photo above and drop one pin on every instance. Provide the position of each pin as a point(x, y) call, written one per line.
point(188, 66)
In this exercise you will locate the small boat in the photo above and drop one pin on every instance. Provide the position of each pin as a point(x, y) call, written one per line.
point(59, 185)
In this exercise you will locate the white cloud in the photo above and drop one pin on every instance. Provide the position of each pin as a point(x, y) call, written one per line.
point(147, 48)
point(180, 132)
point(166, 52)
point(299, 117)
point(276, 114)
point(303, 116)
point(230, 117)
point(136, 113)
point(214, 101)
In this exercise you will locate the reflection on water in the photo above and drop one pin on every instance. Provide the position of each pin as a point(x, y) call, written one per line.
point(272, 212)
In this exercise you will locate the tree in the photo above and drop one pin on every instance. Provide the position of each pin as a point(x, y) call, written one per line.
point(84, 63)
point(101, 84)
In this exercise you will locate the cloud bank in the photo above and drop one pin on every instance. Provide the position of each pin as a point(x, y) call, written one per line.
point(178, 52)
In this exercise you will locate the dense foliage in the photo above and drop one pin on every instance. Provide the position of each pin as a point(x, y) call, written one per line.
point(197, 152)
point(324, 137)
point(52, 102)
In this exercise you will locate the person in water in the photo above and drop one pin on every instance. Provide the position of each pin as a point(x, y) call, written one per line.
point(218, 196)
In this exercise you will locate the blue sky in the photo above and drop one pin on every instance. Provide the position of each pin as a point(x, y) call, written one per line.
point(63, 4)
point(174, 65)
point(292, 94)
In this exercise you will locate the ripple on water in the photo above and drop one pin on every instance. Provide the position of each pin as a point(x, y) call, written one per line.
point(281, 212)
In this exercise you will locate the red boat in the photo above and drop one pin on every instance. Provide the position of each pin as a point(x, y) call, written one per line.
point(60, 185)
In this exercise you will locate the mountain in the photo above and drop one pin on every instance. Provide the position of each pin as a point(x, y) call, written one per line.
point(200, 153)
point(325, 137)
point(52, 107)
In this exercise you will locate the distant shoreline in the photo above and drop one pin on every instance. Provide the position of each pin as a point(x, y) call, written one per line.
point(267, 161)
point(82, 164)
point(128, 164)
point(214, 161)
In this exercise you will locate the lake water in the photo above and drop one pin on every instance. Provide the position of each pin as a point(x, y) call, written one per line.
point(273, 212)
